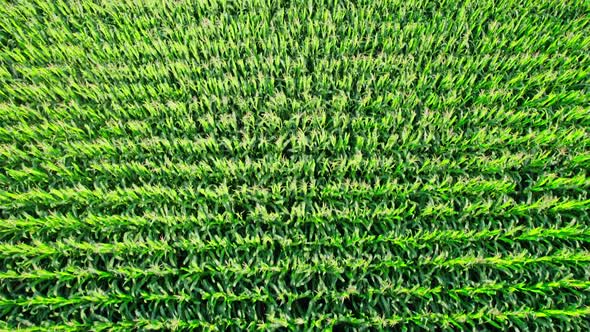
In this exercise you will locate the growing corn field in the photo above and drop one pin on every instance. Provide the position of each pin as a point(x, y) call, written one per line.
point(294, 165)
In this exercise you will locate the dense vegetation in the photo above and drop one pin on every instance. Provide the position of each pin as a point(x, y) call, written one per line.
point(262, 164)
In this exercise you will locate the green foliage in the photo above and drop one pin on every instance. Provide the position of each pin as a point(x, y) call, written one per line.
point(300, 165)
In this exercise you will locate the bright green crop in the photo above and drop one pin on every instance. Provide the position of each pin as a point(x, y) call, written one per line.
point(294, 165)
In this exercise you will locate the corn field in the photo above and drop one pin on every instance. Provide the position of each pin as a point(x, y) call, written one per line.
point(294, 165)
